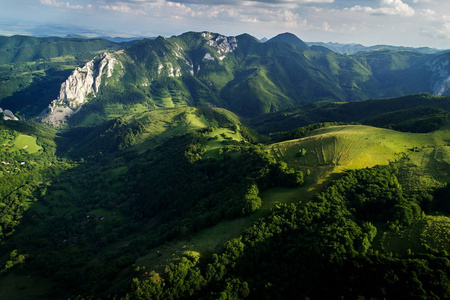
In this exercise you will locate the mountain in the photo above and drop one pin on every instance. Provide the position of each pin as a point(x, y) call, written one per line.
point(239, 73)
point(349, 49)
point(251, 78)
point(246, 76)
point(32, 69)
point(289, 38)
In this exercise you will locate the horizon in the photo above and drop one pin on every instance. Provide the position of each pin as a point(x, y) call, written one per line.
point(408, 23)
point(70, 34)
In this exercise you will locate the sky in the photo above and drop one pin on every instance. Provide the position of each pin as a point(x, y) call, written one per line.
point(416, 23)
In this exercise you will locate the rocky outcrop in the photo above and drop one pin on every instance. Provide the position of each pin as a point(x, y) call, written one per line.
point(440, 79)
point(82, 84)
point(222, 43)
point(8, 115)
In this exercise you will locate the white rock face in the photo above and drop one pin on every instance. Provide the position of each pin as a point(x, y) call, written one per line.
point(82, 83)
point(8, 115)
point(222, 43)
point(440, 67)
point(208, 56)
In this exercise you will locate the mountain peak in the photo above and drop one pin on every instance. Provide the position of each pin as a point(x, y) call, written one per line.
point(289, 38)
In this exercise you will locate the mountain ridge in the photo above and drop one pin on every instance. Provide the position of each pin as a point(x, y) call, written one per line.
point(252, 78)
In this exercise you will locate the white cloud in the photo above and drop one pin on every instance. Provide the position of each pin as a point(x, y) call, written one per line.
point(444, 31)
point(387, 8)
point(123, 8)
point(428, 13)
point(60, 4)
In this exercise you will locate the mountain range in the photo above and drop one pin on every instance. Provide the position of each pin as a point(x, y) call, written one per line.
point(252, 78)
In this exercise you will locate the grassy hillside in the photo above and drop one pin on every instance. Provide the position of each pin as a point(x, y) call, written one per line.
point(358, 146)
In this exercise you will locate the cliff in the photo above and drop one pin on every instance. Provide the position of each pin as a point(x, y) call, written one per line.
point(83, 83)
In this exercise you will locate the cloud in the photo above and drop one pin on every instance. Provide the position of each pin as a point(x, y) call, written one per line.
point(387, 8)
point(292, 3)
point(60, 4)
point(123, 8)
point(442, 32)
point(428, 13)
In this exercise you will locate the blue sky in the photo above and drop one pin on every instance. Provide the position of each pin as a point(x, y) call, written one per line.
point(395, 22)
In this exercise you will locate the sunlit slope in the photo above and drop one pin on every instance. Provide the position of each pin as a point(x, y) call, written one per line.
point(358, 146)
point(141, 131)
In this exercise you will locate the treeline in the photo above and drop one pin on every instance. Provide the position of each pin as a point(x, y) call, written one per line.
point(320, 250)
point(301, 132)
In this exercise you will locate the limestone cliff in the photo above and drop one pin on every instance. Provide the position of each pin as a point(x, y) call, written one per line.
point(440, 79)
point(8, 115)
point(84, 82)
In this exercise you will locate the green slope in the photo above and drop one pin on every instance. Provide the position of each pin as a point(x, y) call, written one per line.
point(356, 147)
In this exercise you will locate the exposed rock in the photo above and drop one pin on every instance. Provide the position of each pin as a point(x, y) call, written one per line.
point(8, 115)
point(83, 83)
point(440, 68)
point(208, 56)
point(222, 43)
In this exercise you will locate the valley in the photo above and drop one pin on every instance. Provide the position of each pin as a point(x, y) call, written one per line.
point(203, 166)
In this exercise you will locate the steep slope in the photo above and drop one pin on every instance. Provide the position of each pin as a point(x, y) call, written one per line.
point(440, 69)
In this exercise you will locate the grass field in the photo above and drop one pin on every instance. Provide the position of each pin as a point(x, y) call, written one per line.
point(27, 143)
point(358, 146)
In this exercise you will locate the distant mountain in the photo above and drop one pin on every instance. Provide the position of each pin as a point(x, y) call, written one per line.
point(20, 48)
point(354, 48)
point(244, 75)
point(289, 38)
